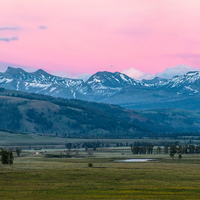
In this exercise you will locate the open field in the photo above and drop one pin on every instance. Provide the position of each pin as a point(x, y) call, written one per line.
point(37, 177)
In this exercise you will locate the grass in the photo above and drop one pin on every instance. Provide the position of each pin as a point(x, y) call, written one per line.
point(36, 177)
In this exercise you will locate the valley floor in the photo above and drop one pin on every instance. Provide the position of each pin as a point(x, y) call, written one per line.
point(33, 176)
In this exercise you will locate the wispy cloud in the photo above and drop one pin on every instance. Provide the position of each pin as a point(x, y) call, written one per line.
point(7, 39)
point(42, 27)
point(137, 74)
point(10, 28)
point(168, 73)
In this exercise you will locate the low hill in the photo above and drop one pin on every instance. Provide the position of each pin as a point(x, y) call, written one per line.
point(173, 120)
point(37, 113)
point(33, 113)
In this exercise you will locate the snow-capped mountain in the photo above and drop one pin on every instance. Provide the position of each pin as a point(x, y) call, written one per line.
point(188, 83)
point(105, 84)
point(115, 88)
point(38, 82)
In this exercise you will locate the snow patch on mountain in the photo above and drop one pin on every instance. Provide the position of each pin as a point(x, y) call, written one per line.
point(52, 89)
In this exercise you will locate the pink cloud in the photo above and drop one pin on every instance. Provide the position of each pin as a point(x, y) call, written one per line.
point(89, 36)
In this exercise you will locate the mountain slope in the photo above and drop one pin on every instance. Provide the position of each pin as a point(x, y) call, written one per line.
point(69, 118)
point(105, 84)
point(36, 113)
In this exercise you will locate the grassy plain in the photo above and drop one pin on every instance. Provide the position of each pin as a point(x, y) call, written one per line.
point(37, 177)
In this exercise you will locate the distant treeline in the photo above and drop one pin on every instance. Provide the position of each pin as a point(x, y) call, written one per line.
point(181, 149)
point(178, 135)
point(142, 149)
point(94, 145)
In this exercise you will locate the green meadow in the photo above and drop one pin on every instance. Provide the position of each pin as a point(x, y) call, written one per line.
point(34, 176)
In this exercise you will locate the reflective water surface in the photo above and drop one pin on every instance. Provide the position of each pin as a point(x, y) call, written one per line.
point(133, 160)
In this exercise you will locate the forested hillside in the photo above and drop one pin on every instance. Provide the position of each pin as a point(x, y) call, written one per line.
point(32, 113)
point(36, 113)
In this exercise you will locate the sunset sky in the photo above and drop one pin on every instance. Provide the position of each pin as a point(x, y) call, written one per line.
point(77, 38)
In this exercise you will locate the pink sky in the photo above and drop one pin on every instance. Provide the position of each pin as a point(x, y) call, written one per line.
point(76, 37)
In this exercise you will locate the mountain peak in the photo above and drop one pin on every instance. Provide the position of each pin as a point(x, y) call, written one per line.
point(12, 70)
point(111, 79)
point(101, 73)
point(41, 71)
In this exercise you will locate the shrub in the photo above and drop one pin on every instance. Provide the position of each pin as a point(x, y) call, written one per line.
point(90, 164)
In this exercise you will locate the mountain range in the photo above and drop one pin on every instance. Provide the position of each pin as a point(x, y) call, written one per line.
point(182, 92)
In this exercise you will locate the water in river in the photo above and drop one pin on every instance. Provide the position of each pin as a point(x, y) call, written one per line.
point(133, 160)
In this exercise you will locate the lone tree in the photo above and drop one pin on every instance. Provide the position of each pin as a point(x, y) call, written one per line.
point(18, 151)
point(69, 145)
point(6, 157)
point(173, 150)
point(166, 149)
point(158, 150)
point(180, 151)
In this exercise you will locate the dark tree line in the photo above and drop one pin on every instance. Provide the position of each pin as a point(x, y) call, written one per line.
point(190, 149)
point(146, 148)
point(142, 149)
point(184, 149)
point(6, 156)
point(9, 116)
point(93, 145)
